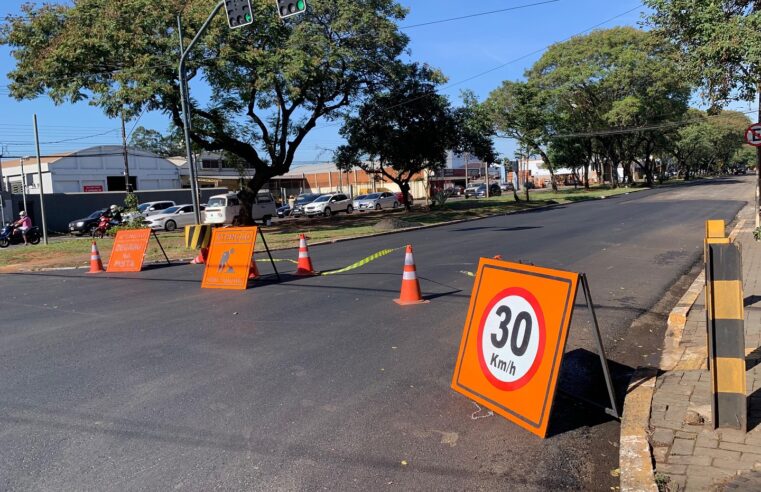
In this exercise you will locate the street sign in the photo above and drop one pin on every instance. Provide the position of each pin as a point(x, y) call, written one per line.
point(753, 135)
point(230, 255)
point(128, 251)
point(514, 338)
point(92, 188)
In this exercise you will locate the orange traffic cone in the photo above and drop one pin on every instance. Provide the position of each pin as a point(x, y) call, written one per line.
point(410, 293)
point(304, 266)
point(96, 266)
point(253, 272)
point(201, 258)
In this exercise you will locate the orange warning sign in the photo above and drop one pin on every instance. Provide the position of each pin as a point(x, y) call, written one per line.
point(514, 339)
point(128, 251)
point(229, 258)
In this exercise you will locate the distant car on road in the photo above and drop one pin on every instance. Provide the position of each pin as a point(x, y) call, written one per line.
point(400, 198)
point(87, 224)
point(301, 200)
point(172, 218)
point(494, 190)
point(148, 208)
point(376, 201)
point(329, 204)
point(471, 191)
point(742, 170)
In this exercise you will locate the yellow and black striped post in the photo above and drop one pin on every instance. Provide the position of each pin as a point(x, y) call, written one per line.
point(197, 236)
point(726, 332)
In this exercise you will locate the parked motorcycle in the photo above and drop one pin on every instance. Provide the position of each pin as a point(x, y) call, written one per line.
point(7, 236)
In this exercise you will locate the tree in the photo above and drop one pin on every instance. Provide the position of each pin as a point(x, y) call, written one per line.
point(270, 84)
point(154, 141)
point(401, 131)
point(519, 110)
point(621, 85)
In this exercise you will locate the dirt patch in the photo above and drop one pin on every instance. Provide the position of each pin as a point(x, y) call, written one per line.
point(393, 224)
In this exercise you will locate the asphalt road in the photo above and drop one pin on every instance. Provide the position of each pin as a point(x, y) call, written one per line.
point(146, 381)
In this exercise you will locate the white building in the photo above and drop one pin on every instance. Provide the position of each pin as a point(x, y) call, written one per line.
point(95, 169)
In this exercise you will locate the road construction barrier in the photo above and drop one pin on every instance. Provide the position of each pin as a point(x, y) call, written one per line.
point(410, 292)
point(128, 251)
point(230, 256)
point(304, 266)
point(198, 236)
point(96, 265)
point(726, 329)
point(514, 338)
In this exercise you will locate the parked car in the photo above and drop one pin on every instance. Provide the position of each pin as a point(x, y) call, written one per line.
point(147, 209)
point(225, 209)
point(376, 201)
point(471, 191)
point(494, 190)
point(400, 197)
point(87, 224)
point(741, 170)
point(329, 204)
point(507, 187)
point(301, 200)
point(284, 211)
point(172, 218)
point(455, 191)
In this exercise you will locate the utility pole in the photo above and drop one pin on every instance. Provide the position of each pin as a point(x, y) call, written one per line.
point(758, 166)
point(127, 185)
point(39, 182)
point(486, 166)
point(23, 185)
point(466, 171)
point(3, 149)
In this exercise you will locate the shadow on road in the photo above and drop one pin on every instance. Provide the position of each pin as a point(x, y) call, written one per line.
point(582, 395)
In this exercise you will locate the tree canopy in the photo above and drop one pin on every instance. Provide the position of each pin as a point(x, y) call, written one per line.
point(269, 84)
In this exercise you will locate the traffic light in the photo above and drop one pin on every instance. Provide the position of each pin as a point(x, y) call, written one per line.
point(238, 13)
point(287, 8)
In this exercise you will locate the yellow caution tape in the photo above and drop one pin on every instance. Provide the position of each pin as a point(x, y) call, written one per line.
point(362, 262)
point(469, 274)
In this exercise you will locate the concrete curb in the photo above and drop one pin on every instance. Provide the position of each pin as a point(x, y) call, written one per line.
point(635, 457)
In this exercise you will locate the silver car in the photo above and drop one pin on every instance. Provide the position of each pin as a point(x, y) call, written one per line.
point(376, 201)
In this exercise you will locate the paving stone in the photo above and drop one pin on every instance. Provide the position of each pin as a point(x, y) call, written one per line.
point(686, 435)
point(662, 437)
point(677, 482)
point(690, 460)
point(669, 469)
point(731, 464)
point(743, 448)
point(683, 446)
point(718, 453)
point(704, 441)
point(660, 453)
point(732, 435)
point(751, 458)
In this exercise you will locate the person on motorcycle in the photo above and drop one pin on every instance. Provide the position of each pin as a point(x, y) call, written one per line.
point(23, 225)
point(114, 215)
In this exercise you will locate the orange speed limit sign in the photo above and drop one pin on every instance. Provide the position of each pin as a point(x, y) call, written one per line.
point(514, 338)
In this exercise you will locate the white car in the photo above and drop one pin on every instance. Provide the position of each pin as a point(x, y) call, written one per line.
point(225, 209)
point(329, 204)
point(172, 218)
point(375, 201)
point(148, 208)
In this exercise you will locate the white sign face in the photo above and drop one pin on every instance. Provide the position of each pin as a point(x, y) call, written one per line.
point(512, 340)
point(753, 135)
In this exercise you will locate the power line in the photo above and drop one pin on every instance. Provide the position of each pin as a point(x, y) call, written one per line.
point(470, 16)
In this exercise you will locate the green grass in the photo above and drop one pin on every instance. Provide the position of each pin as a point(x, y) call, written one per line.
point(76, 251)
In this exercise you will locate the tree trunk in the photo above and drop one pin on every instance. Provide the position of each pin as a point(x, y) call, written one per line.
point(586, 175)
point(247, 196)
point(405, 187)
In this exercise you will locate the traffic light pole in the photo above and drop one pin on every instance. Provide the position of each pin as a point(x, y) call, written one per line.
point(185, 101)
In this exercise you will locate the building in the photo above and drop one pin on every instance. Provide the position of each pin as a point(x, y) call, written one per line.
point(95, 169)
point(213, 170)
point(326, 177)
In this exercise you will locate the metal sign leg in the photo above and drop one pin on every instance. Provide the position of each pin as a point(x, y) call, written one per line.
point(264, 241)
point(160, 246)
point(600, 348)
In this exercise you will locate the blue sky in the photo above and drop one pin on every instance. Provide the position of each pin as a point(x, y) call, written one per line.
point(462, 49)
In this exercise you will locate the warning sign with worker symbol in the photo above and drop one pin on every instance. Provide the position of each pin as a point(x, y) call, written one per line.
point(229, 258)
point(514, 339)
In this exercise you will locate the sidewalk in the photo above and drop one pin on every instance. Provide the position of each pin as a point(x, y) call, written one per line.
point(688, 453)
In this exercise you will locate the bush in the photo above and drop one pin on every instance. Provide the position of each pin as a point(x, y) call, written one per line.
point(757, 233)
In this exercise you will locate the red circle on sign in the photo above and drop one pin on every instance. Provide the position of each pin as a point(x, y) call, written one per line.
point(755, 130)
point(518, 383)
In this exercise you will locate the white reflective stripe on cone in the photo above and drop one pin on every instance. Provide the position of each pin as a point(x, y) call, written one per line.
point(303, 254)
point(408, 260)
point(409, 276)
